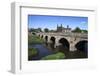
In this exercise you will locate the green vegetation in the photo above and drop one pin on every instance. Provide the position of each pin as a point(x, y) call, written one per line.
point(84, 31)
point(32, 52)
point(46, 30)
point(33, 39)
point(78, 30)
point(58, 55)
point(35, 30)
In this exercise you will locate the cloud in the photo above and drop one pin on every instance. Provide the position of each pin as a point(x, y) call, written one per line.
point(83, 23)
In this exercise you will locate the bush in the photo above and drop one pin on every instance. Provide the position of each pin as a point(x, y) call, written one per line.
point(33, 39)
point(58, 55)
point(32, 52)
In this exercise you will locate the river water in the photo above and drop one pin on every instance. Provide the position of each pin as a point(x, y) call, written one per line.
point(45, 50)
point(42, 51)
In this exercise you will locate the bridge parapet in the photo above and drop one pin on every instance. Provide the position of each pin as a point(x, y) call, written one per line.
point(81, 35)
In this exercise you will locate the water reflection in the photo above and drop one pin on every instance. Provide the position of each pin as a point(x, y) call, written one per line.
point(49, 48)
point(79, 53)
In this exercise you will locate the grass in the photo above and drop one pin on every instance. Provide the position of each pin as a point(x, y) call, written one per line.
point(32, 52)
point(58, 55)
point(33, 39)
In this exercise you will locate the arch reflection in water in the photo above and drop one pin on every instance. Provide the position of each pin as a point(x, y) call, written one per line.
point(46, 40)
point(64, 44)
point(52, 39)
point(42, 36)
point(82, 46)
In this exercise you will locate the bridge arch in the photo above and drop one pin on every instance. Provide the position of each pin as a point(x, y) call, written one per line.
point(53, 39)
point(46, 38)
point(41, 36)
point(65, 43)
point(33, 33)
point(82, 45)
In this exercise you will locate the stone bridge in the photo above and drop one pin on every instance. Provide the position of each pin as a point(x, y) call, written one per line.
point(68, 39)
